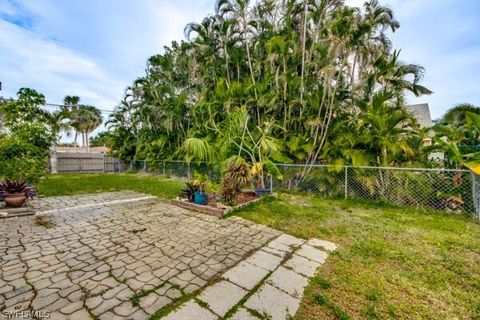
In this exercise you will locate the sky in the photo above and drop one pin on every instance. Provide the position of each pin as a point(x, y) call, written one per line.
point(96, 48)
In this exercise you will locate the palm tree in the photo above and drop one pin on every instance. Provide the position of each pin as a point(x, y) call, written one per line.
point(56, 121)
point(456, 116)
point(87, 118)
point(308, 67)
point(386, 128)
point(70, 106)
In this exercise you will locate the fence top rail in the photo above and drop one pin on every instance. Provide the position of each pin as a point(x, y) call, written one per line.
point(371, 167)
point(330, 166)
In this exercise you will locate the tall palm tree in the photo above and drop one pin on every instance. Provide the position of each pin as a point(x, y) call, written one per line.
point(87, 118)
point(57, 122)
point(70, 106)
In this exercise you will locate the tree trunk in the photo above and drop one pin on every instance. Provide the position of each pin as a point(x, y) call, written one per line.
point(304, 35)
point(88, 142)
point(53, 158)
point(75, 139)
point(249, 60)
point(83, 139)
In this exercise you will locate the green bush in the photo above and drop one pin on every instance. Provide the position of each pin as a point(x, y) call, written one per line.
point(21, 160)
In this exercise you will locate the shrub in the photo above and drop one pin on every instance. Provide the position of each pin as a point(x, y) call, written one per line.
point(20, 160)
point(237, 177)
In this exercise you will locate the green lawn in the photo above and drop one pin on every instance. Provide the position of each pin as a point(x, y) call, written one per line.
point(392, 262)
point(76, 183)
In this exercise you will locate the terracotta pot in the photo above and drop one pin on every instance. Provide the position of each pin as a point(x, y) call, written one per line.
point(15, 200)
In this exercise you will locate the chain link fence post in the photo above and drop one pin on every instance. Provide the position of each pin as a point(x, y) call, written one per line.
point(346, 182)
point(476, 194)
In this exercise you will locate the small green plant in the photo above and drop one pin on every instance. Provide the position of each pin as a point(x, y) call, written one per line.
point(44, 222)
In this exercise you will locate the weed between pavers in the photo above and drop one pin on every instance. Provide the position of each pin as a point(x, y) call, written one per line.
point(44, 222)
point(135, 231)
point(135, 299)
point(175, 302)
point(242, 301)
point(201, 303)
point(184, 298)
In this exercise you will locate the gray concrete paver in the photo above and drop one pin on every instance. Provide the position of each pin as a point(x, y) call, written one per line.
point(97, 257)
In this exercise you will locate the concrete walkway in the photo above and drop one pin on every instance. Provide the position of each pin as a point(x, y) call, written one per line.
point(267, 285)
point(125, 255)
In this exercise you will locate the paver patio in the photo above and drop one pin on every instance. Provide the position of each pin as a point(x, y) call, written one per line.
point(124, 255)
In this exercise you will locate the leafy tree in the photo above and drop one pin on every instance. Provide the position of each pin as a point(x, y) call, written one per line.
point(315, 73)
point(85, 119)
point(101, 139)
point(461, 145)
point(456, 116)
point(70, 107)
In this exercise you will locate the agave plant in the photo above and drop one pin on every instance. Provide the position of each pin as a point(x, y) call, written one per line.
point(16, 186)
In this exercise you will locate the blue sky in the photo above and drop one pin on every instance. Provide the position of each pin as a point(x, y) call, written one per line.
point(96, 48)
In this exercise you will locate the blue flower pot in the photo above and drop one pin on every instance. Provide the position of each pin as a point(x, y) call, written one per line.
point(200, 198)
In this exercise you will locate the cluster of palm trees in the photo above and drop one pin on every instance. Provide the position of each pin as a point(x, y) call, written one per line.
point(273, 80)
point(82, 118)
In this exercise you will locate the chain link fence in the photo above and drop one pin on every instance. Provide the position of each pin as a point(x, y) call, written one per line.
point(476, 195)
point(455, 191)
point(439, 189)
point(171, 168)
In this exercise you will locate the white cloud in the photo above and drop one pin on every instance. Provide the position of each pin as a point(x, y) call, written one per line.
point(440, 35)
point(93, 49)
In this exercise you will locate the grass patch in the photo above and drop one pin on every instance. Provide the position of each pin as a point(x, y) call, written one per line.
point(79, 183)
point(337, 310)
point(392, 262)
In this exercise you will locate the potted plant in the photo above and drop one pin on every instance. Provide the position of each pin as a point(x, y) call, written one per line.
point(195, 190)
point(189, 191)
point(200, 195)
point(15, 192)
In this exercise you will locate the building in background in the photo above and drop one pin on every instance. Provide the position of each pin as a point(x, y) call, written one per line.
point(421, 112)
point(101, 149)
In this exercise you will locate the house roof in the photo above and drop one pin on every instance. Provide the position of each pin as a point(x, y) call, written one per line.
point(422, 113)
point(101, 149)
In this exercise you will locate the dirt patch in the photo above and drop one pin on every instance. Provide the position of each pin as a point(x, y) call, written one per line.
point(246, 196)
